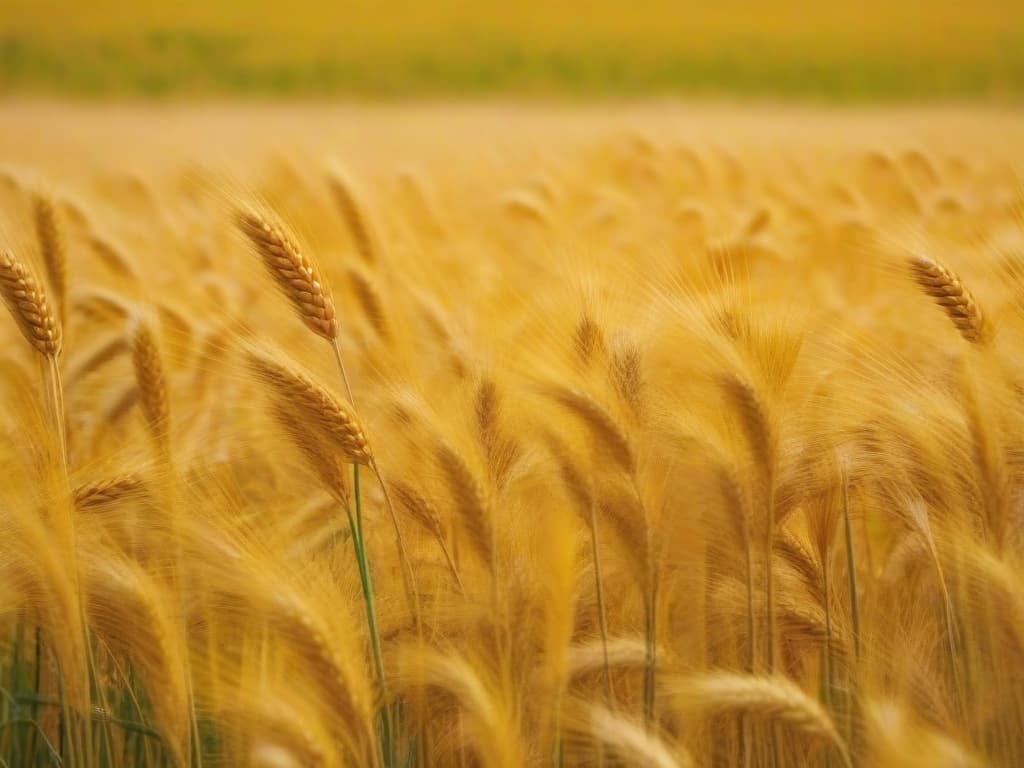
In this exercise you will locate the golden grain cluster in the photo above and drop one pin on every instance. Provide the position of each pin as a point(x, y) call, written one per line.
point(605, 447)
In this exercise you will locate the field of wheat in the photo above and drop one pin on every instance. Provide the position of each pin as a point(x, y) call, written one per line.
point(408, 436)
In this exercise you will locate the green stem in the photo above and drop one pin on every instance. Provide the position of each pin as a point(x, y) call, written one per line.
point(366, 582)
point(851, 570)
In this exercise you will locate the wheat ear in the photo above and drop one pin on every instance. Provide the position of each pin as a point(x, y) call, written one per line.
point(94, 495)
point(152, 384)
point(425, 513)
point(771, 699)
point(352, 213)
point(51, 245)
point(27, 303)
point(26, 300)
point(296, 275)
point(336, 421)
point(949, 293)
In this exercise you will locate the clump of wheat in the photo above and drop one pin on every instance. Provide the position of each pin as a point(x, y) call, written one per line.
point(641, 515)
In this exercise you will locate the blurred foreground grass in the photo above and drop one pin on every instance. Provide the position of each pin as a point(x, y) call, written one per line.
point(774, 48)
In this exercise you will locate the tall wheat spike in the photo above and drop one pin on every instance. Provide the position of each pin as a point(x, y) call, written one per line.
point(296, 275)
point(28, 305)
point(353, 214)
point(772, 699)
point(315, 405)
point(94, 495)
point(151, 381)
point(950, 293)
point(51, 245)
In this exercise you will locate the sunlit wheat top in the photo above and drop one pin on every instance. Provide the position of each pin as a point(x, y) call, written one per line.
point(295, 274)
point(27, 303)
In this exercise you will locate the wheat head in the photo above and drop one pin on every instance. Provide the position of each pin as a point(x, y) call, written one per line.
point(296, 275)
point(28, 305)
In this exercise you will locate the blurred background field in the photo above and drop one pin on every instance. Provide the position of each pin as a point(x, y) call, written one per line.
point(841, 51)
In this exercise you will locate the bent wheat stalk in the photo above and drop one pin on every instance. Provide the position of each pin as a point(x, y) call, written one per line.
point(339, 425)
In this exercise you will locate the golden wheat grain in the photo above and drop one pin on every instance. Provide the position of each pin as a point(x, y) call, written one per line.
point(609, 437)
point(949, 293)
point(353, 214)
point(311, 402)
point(151, 381)
point(296, 275)
point(499, 449)
point(316, 452)
point(370, 302)
point(753, 417)
point(101, 305)
point(626, 373)
point(103, 492)
point(468, 502)
point(770, 699)
point(51, 245)
point(113, 257)
point(588, 339)
point(633, 742)
point(275, 725)
point(426, 514)
point(28, 305)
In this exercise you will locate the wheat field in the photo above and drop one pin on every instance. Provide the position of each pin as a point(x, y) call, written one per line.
point(504, 435)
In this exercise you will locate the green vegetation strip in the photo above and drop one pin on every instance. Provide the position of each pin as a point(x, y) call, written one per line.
point(183, 63)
